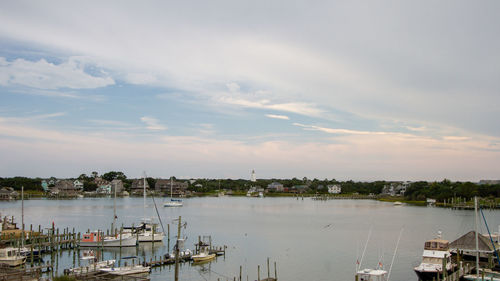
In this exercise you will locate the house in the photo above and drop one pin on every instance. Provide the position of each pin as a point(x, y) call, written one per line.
point(8, 193)
point(275, 186)
point(118, 185)
point(395, 188)
point(137, 187)
point(78, 185)
point(334, 189)
point(45, 185)
point(64, 188)
point(178, 187)
point(300, 188)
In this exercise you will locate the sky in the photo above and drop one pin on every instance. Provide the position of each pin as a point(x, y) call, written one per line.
point(361, 90)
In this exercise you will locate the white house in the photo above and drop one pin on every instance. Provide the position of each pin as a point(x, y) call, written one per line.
point(334, 189)
point(78, 185)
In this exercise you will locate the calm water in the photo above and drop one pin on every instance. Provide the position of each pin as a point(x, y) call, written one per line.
point(309, 240)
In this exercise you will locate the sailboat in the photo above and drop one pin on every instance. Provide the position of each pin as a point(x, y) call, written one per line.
point(173, 202)
point(147, 229)
point(98, 239)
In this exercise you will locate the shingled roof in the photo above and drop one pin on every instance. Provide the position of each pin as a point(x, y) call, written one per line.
point(468, 243)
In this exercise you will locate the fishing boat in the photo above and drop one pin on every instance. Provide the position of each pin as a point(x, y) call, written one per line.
point(134, 269)
point(11, 257)
point(98, 239)
point(92, 264)
point(203, 255)
point(173, 202)
point(436, 253)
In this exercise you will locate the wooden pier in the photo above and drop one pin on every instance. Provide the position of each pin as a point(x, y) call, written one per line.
point(27, 273)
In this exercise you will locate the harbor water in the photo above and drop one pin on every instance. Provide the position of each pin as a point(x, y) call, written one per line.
point(308, 239)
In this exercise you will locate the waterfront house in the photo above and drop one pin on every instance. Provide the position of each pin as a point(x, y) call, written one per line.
point(8, 193)
point(45, 185)
point(118, 185)
point(275, 186)
point(334, 189)
point(64, 188)
point(300, 188)
point(178, 187)
point(137, 187)
point(78, 185)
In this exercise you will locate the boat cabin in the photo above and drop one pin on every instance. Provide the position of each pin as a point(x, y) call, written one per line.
point(91, 237)
point(437, 245)
point(371, 275)
point(8, 252)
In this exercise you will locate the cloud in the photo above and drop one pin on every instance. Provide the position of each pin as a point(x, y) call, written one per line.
point(233, 87)
point(306, 109)
point(341, 131)
point(153, 124)
point(283, 117)
point(109, 122)
point(45, 75)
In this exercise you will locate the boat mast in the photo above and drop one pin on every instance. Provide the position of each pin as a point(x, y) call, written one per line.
point(144, 195)
point(477, 237)
point(114, 211)
point(22, 214)
point(171, 185)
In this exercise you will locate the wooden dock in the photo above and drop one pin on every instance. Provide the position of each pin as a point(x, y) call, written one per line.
point(28, 273)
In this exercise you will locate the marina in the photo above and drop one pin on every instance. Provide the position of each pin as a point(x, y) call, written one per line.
point(319, 238)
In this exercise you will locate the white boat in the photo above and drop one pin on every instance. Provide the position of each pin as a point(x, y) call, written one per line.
point(134, 269)
point(92, 264)
point(173, 202)
point(261, 194)
point(11, 257)
point(436, 251)
point(144, 232)
point(371, 275)
point(397, 203)
point(98, 239)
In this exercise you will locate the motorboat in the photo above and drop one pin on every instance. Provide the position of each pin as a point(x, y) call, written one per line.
point(436, 253)
point(134, 269)
point(203, 255)
point(92, 264)
point(11, 257)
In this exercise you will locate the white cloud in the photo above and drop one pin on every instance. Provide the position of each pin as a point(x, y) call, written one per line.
point(153, 124)
point(342, 131)
point(233, 87)
point(283, 117)
point(306, 109)
point(44, 75)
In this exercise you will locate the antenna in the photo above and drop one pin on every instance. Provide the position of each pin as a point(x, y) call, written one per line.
point(366, 245)
point(395, 250)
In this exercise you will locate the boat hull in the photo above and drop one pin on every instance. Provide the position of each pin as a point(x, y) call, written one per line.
point(148, 237)
point(13, 261)
point(200, 258)
point(172, 204)
point(125, 242)
point(429, 275)
point(127, 270)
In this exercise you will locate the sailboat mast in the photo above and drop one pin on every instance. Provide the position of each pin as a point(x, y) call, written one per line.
point(114, 211)
point(144, 195)
point(477, 236)
point(22, 214)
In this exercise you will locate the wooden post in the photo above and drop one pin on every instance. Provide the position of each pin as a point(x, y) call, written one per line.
point(275, 272)
point(168, 237)
point(268, 272)
point(240, 272)
point(258, 272)
point(177, 250)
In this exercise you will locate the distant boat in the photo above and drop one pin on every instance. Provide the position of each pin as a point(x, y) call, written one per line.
point(261, 194)
point(173, 202)
point(397, 203)
point(11, 257)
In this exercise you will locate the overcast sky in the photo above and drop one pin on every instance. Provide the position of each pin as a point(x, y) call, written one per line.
point(362, 90)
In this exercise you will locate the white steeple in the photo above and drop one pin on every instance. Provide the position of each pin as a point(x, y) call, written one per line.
point(252, 177)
